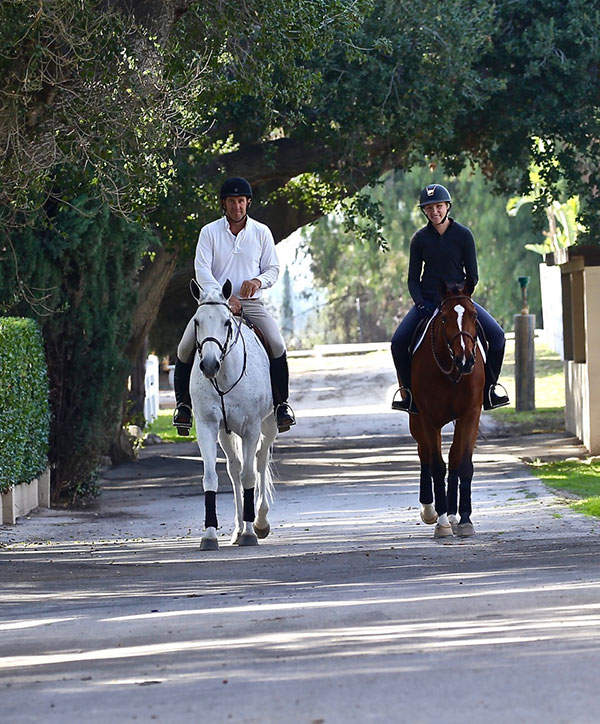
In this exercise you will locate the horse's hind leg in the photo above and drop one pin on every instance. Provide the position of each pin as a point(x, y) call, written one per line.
point(208, 451)
point(230, 445)
point(460, 461)
point(443, 529)
point(452, 497)
point(265, 482)
point(248, 478)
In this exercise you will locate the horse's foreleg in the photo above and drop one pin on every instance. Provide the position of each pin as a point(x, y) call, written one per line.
point(443, 528)
point(429, 443)
point(210, 483)
point(428, 514)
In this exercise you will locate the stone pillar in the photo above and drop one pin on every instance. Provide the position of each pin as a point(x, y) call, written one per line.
point(580, 286)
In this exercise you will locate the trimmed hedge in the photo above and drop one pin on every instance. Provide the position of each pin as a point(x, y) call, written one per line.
point(24, 409)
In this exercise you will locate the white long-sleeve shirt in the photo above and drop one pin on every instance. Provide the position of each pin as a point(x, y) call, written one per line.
point(220, 255)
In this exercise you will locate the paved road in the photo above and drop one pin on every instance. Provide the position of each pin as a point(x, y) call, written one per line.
point(349, 612)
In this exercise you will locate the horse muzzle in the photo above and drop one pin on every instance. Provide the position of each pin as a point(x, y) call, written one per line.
point(465, 365)
point(210, 366)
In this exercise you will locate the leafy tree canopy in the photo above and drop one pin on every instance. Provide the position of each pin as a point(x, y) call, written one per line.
point(350, 268)
point(103, 93)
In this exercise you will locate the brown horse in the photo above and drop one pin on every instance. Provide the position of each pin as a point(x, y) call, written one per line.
point(447, 383)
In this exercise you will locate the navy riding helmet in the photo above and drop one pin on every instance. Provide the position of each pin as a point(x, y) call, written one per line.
point(434, 194)
point(236, 186)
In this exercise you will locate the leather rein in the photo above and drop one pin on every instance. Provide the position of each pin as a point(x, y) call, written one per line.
point(453, 369)
point(225, 350)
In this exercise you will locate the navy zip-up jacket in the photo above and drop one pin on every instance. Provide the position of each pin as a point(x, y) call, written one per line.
point(434, 258)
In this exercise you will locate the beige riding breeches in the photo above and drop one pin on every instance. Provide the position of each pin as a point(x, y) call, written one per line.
point(255, 312)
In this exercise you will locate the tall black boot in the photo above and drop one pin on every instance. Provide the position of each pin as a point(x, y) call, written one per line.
point(280, 383)
point(182, 417)
point(402, 362)
point(493, 365)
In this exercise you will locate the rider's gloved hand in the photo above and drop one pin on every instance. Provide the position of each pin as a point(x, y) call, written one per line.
point(426, 309)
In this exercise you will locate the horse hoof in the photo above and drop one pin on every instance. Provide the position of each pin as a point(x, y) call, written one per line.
point(464, 530)
point(247, 539)
point(209, 544)
point(428, 514)
point(442, 531)
point(453, 520)
point(262, 532)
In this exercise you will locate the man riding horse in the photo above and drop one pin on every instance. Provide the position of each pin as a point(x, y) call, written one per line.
point(442, 251)
point(238, 248)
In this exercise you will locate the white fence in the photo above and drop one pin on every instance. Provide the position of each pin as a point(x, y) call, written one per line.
point(152, 401)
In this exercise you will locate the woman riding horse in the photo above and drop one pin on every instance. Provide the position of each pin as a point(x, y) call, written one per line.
point(442, 251)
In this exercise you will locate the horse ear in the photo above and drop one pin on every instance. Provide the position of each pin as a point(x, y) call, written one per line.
point(443, 287)
point(227, 289)
point(195, 289)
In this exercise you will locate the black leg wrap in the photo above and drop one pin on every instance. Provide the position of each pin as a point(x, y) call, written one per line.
point(249, 504)
point(210, 509)
point(452, 492)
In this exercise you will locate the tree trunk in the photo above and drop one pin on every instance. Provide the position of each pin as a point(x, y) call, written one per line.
point(153, 281)
point(134, 411)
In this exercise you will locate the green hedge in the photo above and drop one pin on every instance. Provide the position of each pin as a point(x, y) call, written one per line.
point(24, 410)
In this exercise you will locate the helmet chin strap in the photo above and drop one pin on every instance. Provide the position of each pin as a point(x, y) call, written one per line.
point(445, 217)
point(229, 219)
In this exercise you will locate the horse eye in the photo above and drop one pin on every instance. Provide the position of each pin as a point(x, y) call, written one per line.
point(228, 323)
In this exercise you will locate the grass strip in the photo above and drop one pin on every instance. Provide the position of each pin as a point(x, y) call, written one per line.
point(574, 477)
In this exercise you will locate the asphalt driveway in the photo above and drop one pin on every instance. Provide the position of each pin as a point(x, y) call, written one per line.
point(349, 612)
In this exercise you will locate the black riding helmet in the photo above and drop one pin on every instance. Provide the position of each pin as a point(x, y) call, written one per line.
point(434, 194)
point(236, 186)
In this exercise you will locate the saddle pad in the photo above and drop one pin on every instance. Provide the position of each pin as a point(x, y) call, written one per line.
point(417, 344)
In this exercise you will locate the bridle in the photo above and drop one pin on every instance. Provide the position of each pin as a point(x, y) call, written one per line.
point(453, 371)
point(225, 348)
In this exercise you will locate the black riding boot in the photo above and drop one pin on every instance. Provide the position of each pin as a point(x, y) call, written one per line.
point(403, 363)
point(182, 417)
point(493, 365)
point(280, 381)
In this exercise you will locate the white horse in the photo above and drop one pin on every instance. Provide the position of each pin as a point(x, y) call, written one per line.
point(230, 387)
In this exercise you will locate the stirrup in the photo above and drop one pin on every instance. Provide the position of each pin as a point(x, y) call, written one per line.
point(285, 412)
point(183, 426)
point(407, 404)
point(501, 400)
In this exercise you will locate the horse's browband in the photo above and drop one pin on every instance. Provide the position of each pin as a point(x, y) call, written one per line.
point(214, 304)
point(458, 296)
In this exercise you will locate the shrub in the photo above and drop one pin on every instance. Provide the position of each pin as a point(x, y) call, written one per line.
point(24, 412)
point(73, 270)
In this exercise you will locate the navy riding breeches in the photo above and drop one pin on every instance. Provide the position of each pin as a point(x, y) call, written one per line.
point(406, 329)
